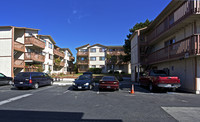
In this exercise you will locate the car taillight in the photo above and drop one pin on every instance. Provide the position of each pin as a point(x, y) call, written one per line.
point(30, 81)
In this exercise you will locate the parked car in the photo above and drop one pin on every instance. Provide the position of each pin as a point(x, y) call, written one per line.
point(32, 80)
point(83, 82)
point(4, 80)
point(109, 82)
point(159, 79)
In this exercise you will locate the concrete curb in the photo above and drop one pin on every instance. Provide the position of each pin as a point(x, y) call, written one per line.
point(62, 84)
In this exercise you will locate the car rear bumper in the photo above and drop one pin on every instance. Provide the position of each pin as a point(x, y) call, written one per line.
point(108, 86)
point(81, 86)
point(24, 85)
point(169, 85)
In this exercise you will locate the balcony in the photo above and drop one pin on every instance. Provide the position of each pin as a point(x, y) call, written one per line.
point(71, 58)
point(61, 64)
point(179, 50)
point(19, 46)
point(19, 63)
point(82, 62)
point(117, 53)
point(34, 57)
point(32, 41)
point(58, 53)
point(178, 18)
point(82, 53)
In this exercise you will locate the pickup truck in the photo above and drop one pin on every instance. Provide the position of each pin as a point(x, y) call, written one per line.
point(159, 79)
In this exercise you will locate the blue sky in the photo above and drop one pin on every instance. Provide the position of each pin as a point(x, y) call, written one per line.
point(73, 23)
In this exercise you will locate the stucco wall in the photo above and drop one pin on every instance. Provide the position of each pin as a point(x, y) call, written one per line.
point(5, 66)
point(5, 33)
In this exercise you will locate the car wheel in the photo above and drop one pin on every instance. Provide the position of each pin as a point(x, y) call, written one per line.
point(90, 87)
point(36, 85)
point(51, 83)
point(150, 87)
point(173, 89)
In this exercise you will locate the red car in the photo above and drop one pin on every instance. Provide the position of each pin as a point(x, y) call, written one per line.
point(109, 82)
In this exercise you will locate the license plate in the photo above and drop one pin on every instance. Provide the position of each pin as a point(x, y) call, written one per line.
point(20, 82)
point(79, 87)
point(108, 87)
point(168, 85)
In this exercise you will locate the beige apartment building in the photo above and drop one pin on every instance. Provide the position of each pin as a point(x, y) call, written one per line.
point(94, 56)
point(171, 42)
point(22, 49)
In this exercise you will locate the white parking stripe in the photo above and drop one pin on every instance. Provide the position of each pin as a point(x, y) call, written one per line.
point(14, 99)
point(65, 91)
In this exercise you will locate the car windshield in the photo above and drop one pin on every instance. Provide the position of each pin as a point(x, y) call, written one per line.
point(158, 73)
point(84, 77)
point(109, 79)
point(2, 75)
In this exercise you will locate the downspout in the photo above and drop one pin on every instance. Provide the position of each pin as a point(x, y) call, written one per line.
point(12, 53)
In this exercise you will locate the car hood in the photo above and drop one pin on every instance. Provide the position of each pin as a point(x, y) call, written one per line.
point(82, 81)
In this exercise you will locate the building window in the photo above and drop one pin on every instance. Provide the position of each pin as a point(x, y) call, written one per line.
point(50, 67)
point(93, 66)
point(43, 66)
point(102, 50)
point(82, 58)
point(171, 19)
point(92, 58)
point(102, 58)
point(50, 45)
point(121, 67)
point(83, 50)
point(169, 42)
point(93, 50)
point(51, 56)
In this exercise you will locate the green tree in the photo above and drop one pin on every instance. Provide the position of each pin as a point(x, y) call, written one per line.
point(112, 59)
point(127, 45)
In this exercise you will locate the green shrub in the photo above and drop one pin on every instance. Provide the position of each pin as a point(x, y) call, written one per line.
point(95, 70)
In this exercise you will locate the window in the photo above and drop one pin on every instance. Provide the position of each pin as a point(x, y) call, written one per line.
point(43, 66)
point(169, 42)
point(102, 50)
point(93, 66)
point(102, 58)
point(82, 58)
point(50, 67)
point(83, 50)
point(121, 66)
point(51, 56)
point(92, 58)
point(93, 50)
point(50, 45)
point(171, 19)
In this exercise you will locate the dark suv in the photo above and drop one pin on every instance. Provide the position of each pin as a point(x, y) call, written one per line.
point(32, 80)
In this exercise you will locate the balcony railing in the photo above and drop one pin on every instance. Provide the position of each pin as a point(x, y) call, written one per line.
point(19, 46)
point(18, 63)
point(82, 61)
point(61, 64)
point(58, 53)
point(71, 58)
point(82, 53)
point(179, 50)
point(189, 7)
point(116, 53)
point(35, 57)
point(34, 41)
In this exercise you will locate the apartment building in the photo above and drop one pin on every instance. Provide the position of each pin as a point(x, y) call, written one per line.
point(47, 52)
point(22, 49)
point(95, 56)
point(171, 42)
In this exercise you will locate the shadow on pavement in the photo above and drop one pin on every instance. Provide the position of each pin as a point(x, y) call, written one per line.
point(45, 116)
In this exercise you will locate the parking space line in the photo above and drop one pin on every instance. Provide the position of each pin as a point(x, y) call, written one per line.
point(14, 99)
point(66, 91)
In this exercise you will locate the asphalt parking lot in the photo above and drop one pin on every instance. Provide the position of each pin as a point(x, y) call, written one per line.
point(61, 103)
